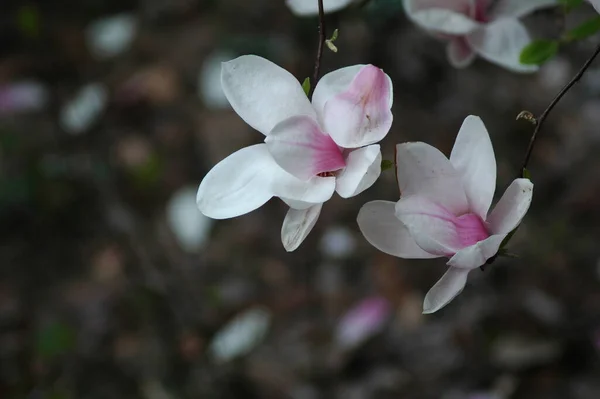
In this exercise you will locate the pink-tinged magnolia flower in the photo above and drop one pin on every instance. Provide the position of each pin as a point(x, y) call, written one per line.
point(488, 28)
point(443, 209)
point(310, 150)
point(311, 7)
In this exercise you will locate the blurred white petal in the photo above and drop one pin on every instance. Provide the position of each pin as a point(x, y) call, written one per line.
point(209, 81)
point(240, 335)
point(22, 97)
point(82, 111)
point(190, 226)
point(111, 36)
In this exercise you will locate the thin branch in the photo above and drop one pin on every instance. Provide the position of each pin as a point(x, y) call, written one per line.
point(555, 101)
point(322, 38)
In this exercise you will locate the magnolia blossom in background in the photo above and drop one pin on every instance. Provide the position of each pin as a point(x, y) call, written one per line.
point(311, 7)
point(310, 150)
point(490, 29)
point(443, 209)
point(23, 96)
point(362, 322)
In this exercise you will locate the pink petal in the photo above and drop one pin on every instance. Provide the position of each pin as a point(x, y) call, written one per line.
point(459, 52)
point(362, 322)
point(455, 17)
point(300, 147)
point(360, 115)
point(382, 229)
point(512, 207)
point(297, 224)
point(476, 255)
point(332, 84)
point(424, 171)
point(445, 290)
point(363, 167)
point(473, 157)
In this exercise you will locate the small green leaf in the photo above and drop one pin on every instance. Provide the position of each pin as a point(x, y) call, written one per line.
point(331, 46)
point(526, 174)
point(306, 86)
point(334, 36)
point(586, 29)
point(386, 164)
point(538, 52)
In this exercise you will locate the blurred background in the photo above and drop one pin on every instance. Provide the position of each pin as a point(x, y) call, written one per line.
point(112, 285)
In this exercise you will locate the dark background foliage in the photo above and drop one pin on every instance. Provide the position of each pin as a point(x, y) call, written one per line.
point(99, 300)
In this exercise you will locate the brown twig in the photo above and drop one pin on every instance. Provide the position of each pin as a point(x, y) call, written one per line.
point(322, 38)
point(550, 107)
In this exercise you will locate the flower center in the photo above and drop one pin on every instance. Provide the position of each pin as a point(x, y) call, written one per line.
point(470, 229)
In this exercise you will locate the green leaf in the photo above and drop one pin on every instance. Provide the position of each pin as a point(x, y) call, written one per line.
point(526, 174)
point(538, 52)
point(334, 36)
point(586, 29)
point(386, 164)
point(306, 86)
point(54, 340)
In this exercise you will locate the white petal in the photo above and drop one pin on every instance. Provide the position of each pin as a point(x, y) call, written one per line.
point(300, 147)
point(595, 4)
point(446, 289)
point(239, 336)
point(424, 171)
point(84, 109)
point(501, 42)
point(378, 223)
point(431, 226)
point(363, 167)
point(309, 7)
point(512, 207)
point(476, 255)
point(361, 114)
point(473, 157)
point(190, 227)
point(315, 190)
point(111, 36)
point(238, 184)
point(297, 204)
point(519, 8)
point(452, 17)
point(262, 93)
point(460, 52)
point(297, 224)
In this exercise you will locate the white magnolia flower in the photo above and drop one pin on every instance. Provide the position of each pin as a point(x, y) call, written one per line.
point(311, 7)
point(310, 150)
point(490, 29)
point(443, 209)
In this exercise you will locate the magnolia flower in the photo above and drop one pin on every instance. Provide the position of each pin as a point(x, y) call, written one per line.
point(490, 29)
point(311, 7)
point(310, 150)
point(443, 209)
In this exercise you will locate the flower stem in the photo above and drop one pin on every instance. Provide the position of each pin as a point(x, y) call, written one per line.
point(322, 38)
point(550, 107)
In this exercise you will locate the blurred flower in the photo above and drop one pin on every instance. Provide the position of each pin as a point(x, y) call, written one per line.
point(209, 81)
point(443, 210)
point(83, 110)
point(311, 7)
point(362, 322)
point(111, 36)
point(22, 97)
point(338, 242)
point(310, 151)
point(240, 335)
point(191, 228)
point(595, 4)
point(490, 29)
